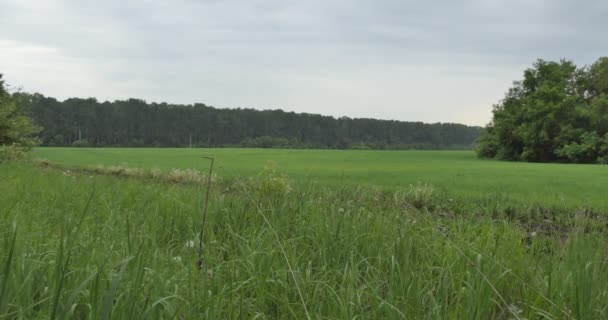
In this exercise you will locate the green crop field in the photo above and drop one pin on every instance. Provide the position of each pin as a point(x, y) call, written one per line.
point(456, 174)
point(344, 235)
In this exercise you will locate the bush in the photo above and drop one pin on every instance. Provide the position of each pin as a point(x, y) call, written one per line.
point(16, 130)
point(487, 145)
point(590, 148)
point(80, 143)
point(56, 141)
point(12, 152)
point(265, 142)
point(418, 196)
point(271, 182)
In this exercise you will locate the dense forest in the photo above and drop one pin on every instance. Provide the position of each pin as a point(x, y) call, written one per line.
point(136, 123)
point(557, 113)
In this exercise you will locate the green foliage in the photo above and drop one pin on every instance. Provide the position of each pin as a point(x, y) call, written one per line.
point(16, 130)
point(80, 143)
point(135, 123)
point(12, 152)
point(417, 196)
point(56, 141)
point(591, 148)
point(270, 182)
point(80, 247)
point(558, 113)
point(267, 142)
point(487, 144)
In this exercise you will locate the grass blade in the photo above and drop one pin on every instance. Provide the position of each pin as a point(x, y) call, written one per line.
point(7, 269)
point(108, 301)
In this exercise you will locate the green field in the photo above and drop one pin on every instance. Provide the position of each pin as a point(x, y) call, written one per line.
point(456, 174)
point(346, 235)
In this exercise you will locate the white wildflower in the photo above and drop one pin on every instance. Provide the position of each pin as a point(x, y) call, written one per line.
point(190, 244)
point(533, 234)
point(177, 259)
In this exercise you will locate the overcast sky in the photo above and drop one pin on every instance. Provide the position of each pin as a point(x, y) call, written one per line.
point(432, 61)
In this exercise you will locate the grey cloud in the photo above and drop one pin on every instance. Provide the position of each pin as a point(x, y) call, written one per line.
point(356, 58)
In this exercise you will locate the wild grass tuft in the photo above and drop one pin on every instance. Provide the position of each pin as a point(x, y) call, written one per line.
point(324, 252)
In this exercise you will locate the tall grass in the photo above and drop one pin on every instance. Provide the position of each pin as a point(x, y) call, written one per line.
point(98, 247)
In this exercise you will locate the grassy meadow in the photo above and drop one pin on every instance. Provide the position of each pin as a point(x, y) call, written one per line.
point(339, 235)
point(456, 174)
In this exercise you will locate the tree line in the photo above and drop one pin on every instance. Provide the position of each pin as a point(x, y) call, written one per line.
point(136, 123)
point(557, 113)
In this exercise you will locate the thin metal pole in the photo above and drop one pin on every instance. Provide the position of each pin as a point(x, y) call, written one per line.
point(200, 244)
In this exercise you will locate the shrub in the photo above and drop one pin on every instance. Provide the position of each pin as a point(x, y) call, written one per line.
point(265, 142)
point(270, 181)
point(487, 145)
point(418, 196)
point(16, 130)
point(12, 152)
point(80, 143)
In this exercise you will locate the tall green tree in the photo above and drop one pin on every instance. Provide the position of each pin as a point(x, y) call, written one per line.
point(15, 128)
point(557, 113)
